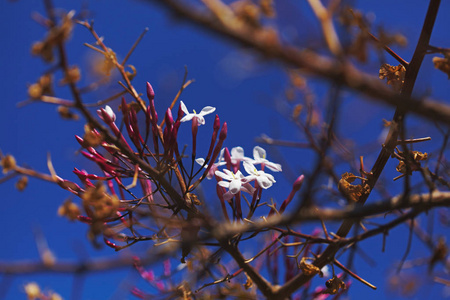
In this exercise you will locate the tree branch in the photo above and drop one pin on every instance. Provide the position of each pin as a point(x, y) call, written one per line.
point(311, 63)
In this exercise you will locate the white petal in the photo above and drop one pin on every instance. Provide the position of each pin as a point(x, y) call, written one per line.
point(229, 173)
point(250, 168)
point(223, 175)
point(259, 153)
point(187, 117)
point(201, 161)
point(184, 108)
point(221, 154)
point(273, 167)
point(207, 110)
point(110, 112)
point(237, 153)
point(224, 184)
point(248, 178)
point(264, 182)
point(268, 176)
point(235, 186)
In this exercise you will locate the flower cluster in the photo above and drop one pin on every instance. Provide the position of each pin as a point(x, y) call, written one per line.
point(148, 155)
point(231, 182)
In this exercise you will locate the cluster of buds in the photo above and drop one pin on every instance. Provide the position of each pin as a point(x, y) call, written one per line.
point(57, 34)
point(34, 292)
point(149, 155)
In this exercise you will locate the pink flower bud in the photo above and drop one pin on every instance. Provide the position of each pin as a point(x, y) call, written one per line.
point(167, 270)
point(150, 92)
point(109, 243)
point(147, 189)
point(168, 118)
point(194, 136)
point(172, 138)
point(227, 157)
point(216, 124)
point(83, 175)
point(216, 127)
point(101, 161)
point(134, 124)
point(295, 187)
point(84, 219)
point(138, 293)
point(107, 114)
point(298, 183)
point(79, 140)
point(180, 113)
point(223, 132)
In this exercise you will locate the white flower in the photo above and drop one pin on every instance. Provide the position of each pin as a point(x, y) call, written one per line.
point(234, 182)
point(237, 155)
point(108, 111)
point(201, 162)
point(259, 157)
point(189, 116)
point(264, 180)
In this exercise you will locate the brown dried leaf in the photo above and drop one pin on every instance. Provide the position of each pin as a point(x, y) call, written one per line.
point(192, 198)
point(442, 64)
point(334, 285)
point(65, 113)
point(267, 8)
point(417, 156)
point(56, 35)
point(73, 75)
point(91, 138)
point(98, 202)
point(249, 283)
point(297, 111)
point(297, 79)
point(22, 183)
point(395, 75)
point(308, 269)
point(131, 74)
point(8, 163)
point(69, 210)
point(46, 81)
point(35, 91)
point(352, 192)
point(104, 65)
point(247, 12)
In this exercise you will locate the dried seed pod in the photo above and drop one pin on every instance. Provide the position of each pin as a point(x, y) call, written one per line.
point(352, 192)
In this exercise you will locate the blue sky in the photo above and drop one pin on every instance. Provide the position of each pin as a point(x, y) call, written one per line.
point(248, 94)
